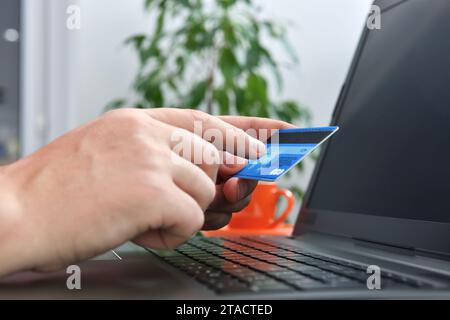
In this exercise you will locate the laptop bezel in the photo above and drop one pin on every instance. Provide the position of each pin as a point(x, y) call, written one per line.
point(421, 236)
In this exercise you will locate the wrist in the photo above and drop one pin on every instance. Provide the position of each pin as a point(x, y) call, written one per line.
point(12, 258)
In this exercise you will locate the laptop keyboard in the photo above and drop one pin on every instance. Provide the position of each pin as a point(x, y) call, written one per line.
point(245, 265)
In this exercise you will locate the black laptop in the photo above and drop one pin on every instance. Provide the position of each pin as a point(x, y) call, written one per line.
point(379, 200)
point(375, 222)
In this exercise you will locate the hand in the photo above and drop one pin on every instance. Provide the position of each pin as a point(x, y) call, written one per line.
point(232, 194)
point(107, 182)
point(98, 186)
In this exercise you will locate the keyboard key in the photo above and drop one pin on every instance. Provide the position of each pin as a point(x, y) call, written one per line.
point(311, 286)
point(346, 283)
point(303, 268)
point(245, 273)
point(287, 274)
point(234, 265)
point(266, 267)
point(272, 286)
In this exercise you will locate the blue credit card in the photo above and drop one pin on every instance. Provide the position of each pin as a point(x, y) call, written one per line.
point(284, 150)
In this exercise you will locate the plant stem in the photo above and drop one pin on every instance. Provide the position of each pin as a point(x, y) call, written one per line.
point(209, 105)
point(210, 99)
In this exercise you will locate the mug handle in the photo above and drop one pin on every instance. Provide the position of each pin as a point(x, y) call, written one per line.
point(290, 205)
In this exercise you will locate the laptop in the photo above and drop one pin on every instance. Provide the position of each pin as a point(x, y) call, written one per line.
point(375, 222)
point(379, 199)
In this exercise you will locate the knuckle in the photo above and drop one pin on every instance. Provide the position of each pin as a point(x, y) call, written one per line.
point(127, 119)
point(238, 131)
point(147, 155)
point(202, 117)
point(118, 113)
point(199, 115)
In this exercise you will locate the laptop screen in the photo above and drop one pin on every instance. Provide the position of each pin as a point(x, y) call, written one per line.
point(391, 157)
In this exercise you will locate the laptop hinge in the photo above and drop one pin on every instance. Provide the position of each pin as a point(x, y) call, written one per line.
point(409, 251)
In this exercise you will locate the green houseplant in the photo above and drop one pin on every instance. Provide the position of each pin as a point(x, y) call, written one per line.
point(211, 55)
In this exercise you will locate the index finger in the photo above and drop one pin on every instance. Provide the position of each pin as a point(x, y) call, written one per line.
point(257, 124)
point(222, 134)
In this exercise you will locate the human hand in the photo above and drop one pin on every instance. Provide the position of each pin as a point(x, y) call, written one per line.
point(232, 194)
point(112, 180)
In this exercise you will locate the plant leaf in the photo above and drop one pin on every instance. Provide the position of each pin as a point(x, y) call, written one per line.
point(136, 41)
point(229, 66)
point(154, 95)
point(241, 106)
point(197, 94)
point(221, 96)
point(257, 93)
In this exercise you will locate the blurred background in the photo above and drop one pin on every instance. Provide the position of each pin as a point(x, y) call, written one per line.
point(63, 62)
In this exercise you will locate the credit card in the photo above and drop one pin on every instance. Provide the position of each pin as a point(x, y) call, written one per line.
point(284, 150)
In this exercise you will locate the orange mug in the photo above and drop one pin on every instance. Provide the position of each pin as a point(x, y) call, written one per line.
point(261, 212)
